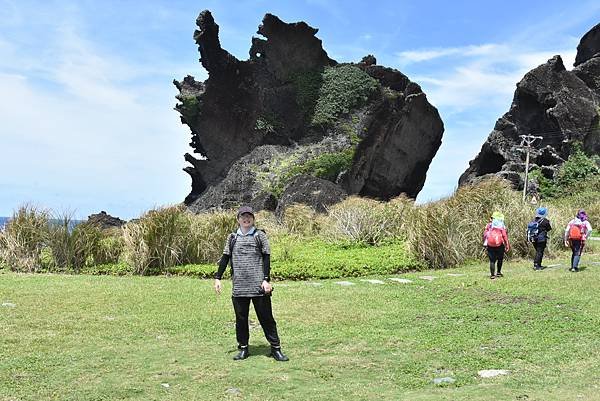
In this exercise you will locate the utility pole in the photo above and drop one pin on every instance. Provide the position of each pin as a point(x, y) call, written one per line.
point(526, 142)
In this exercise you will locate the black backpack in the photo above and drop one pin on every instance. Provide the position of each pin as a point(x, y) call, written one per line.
point(233, 239)
point(534, 234)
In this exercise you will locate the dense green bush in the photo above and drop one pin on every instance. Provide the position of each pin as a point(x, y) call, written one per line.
point(300, 258)
point(344, 88)
point(111, 269)
point(327, 165)
point(307, 85)
point(580, 173)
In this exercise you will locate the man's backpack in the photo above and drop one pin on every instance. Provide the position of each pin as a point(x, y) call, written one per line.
point(533, 230)
point(233, 239)
point(494, 237)
point(576, 231)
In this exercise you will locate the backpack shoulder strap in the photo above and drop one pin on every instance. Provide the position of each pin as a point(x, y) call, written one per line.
point(232, 239)
point(258, 240)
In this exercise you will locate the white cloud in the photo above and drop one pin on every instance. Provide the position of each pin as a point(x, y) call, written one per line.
point(488, 75)
point(470, 96)
point(83, 129)
point(420, 55)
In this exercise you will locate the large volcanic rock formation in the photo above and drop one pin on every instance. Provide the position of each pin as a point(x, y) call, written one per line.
point(563, 107)
point(290, 110)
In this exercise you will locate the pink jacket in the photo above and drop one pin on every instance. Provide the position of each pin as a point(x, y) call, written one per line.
point(487, 230)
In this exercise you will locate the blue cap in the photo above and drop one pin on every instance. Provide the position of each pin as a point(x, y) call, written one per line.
point(541, 211)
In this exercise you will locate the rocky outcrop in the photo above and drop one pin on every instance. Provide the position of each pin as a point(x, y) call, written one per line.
point(291, 110)
point(589, 46)
point(104, 220)
point(557, 105)
point(311, 191)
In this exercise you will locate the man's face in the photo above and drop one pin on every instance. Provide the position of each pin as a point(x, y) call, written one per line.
point(246, 220)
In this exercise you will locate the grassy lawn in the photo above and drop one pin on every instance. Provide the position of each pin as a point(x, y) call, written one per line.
point(158, 338)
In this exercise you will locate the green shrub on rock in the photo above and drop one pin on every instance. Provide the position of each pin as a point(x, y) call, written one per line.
point(344, 88)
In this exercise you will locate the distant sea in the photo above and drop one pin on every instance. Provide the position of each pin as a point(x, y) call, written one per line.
point(4, 220)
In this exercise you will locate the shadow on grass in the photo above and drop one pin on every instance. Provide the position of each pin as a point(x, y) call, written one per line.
point(255, 351)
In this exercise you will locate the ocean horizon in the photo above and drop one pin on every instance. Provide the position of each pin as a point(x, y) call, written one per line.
point(4, 220)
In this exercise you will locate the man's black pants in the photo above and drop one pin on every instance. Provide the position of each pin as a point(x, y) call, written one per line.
point(262, 306)
point(539, 253)
point(496, 254)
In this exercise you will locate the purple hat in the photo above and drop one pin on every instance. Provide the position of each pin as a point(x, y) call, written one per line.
point(245, 209)
point(582, 215)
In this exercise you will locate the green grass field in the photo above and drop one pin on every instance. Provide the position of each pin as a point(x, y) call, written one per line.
point(158, 338)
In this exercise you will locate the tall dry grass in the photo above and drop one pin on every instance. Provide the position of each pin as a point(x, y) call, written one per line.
point(300, 220)
point(367, 221)
point(449, 232)
point(24, 237)
point(442, 234)
point(173, 236)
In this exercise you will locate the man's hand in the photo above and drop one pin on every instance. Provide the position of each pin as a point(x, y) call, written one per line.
point(267, 287)
point(218, 286)
point(567, 244)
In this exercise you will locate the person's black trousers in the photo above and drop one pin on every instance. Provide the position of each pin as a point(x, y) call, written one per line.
point(264, 312)
point(539, 253)
point(496, 254)
point(577, 248)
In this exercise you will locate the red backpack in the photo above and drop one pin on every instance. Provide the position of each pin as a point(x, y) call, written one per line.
point(494, 237)
point(576, 231)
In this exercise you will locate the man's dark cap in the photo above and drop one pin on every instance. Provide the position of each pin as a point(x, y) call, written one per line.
point(245, 209)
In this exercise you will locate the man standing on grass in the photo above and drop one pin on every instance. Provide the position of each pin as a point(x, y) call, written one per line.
point(250, 256)
point(540, 226)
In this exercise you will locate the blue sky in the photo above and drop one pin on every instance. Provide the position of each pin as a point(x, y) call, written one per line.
point(86, 94)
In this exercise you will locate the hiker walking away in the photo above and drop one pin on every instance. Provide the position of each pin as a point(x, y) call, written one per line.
point(495, 239)
point(249, 253)
point(577, 231)
point(537, 234)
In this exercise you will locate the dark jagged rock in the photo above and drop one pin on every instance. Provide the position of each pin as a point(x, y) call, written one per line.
point(272, 99)
point(558, 105)
point(105, 220)
point(589, 46)
point(314, 192)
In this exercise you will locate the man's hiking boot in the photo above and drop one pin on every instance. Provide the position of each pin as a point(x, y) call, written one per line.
point(499, 275)
point(243, 354)
point(278, 355)
point(492, 277)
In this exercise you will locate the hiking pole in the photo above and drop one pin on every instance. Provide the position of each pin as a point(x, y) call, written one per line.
point(526, 142)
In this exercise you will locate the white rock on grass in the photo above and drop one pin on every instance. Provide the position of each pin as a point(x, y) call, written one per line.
point(456, 274)
point(344, 283)
point(400, 280)
point(9, 305)
point(428, 278)
point(492, 373)
point(165, 385)
point(233, 391)
point(373, 281)
point(443, 380)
